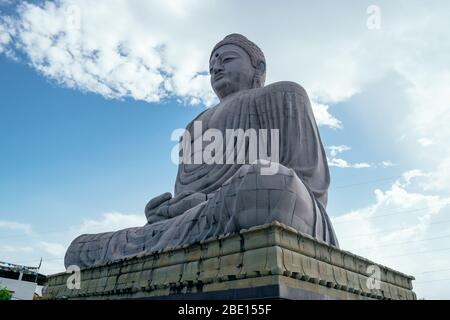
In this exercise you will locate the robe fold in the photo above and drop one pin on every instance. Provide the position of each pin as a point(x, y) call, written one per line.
point(238, 195)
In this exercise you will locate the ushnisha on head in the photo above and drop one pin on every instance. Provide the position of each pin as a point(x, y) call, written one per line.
point(236, 64)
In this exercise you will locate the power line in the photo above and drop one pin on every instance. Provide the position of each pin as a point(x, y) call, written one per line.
point(392, 213)
point(424, 272)
point(365, 182)
point(388, 230)
point(401, 243)
point(427, 281)
point(43, 260)
point(414, 253)
point(341, 237)
point(433, 271)
point(343, 186)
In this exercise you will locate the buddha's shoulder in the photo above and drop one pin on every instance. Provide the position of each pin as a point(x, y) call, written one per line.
point(283, 86)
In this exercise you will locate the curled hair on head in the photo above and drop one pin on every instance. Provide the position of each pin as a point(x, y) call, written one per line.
point(255, 53)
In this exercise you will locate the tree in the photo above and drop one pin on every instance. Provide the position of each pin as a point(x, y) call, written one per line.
point(5, 294)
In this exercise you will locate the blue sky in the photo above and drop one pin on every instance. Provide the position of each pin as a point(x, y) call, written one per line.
point(87, 111)
point(78, 152)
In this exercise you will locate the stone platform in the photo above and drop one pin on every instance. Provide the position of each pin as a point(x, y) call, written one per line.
point(266, 262)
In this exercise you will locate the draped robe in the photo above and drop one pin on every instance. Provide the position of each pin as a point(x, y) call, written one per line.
point(238, 195)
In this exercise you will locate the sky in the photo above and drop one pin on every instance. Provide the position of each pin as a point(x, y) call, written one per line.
point(92, 91)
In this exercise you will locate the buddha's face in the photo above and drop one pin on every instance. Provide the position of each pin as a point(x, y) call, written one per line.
point(231, 70)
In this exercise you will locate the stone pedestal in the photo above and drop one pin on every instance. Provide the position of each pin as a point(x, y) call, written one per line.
point(270, 261)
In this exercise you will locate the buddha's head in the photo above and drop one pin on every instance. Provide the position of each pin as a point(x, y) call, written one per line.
point(236, 64)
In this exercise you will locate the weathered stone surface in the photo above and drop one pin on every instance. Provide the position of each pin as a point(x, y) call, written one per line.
point(272, 257)
point(215, 198)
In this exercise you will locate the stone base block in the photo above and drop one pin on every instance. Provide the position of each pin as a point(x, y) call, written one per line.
point(269, 261)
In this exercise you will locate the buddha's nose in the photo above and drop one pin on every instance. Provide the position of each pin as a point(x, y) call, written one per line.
point(217, 68)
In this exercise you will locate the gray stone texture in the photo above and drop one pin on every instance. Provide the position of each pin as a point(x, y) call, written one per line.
point(272, 258)
point(217, 199)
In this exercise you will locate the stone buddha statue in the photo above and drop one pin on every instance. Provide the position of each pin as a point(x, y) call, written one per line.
point(222, 197)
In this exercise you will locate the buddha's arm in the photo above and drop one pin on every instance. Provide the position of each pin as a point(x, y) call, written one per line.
point(165, 207)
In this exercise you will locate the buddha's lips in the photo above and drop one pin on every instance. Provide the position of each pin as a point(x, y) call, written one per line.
point(219, 76)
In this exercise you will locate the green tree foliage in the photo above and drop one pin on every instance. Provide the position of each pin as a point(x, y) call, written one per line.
point(5, 294)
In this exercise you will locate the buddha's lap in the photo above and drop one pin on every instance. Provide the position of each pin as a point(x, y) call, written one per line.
point(255, 199)
point(247, 199)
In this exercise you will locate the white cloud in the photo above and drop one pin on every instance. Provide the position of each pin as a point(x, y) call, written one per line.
point(341, 163)
point(146, 49)
point(429, 117)
point(52, 248)
point(323, 117)
point(408, 176)
point(361, 165)
point(344, 164)
point(15, 249)
point(112, 222)
point(118, 52)
point(387, 163)
point(335, 150)
point(4, 37)
point(425, 142)
point(12, 225)
point(115, 49)
point(439, 178)
point(399, 229)
point(149, 50)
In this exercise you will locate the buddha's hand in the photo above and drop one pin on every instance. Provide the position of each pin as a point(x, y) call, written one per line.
point(165, 207)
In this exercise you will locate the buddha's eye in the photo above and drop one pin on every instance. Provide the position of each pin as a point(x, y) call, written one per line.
point(227, 59)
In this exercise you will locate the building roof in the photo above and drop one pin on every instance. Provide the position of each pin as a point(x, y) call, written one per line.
point(13, 271)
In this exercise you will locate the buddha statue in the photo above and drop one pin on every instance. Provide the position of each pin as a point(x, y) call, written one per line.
point(214, 198)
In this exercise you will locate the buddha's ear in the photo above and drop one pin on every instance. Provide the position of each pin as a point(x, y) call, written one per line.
point(261, 68)
point(260, 75)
